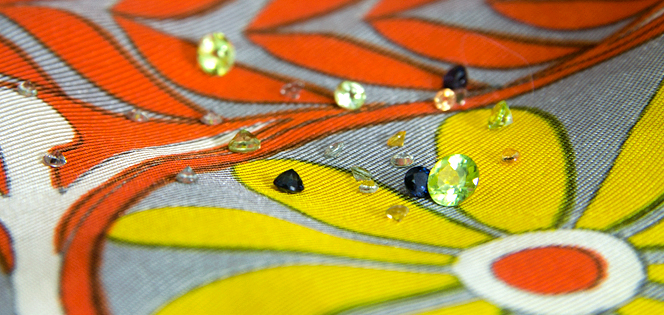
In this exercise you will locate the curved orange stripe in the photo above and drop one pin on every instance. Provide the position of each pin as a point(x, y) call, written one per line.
point(280, 12)
point(159, 10)
point(179, 65)
point(4, 182)
point(17, 64)
point(460, 46)
point(92, 53)
point(6, 250)
point(345, 59)
point(569, 15)
point(386, 7)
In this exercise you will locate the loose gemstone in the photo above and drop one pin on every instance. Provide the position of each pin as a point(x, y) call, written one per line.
point(360, 173)
point(350, 95)
point(54, 159)
point(244, 142)
point(501, 116)
point(289, 181)
point(445, 99)
point(137, 115)
point(397, 139)
point(396, 212)
point(460, 96)
point(187, 176)
point(292, 89)
point(452, 179)
point(416, 181)
point(216, 54)
point(334, 150)
point(510, 155)
point(212, 119)
point(402, 159)
point(27, 88)
point(368, 187)
point(456, 78)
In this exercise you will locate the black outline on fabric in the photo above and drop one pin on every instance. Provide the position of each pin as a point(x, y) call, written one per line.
point(193, 13)
point(399, 195)
point(567, 204)
point(4, 173)
point(310, 87)
point(638, 213)
point(139, 68)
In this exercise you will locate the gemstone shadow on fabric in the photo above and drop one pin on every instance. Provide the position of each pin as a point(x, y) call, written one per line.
point(289, 182)
point(453, 179)
point(416, 181)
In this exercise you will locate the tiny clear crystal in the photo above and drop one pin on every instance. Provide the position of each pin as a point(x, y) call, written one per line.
point(54, 159)
point(368, 187)
point(360, 173)
point(292, 89)
point(445, 99)
point(402, 159)
point(334, 150)
point(187, 176)
point(460, 96)
point(510, 155)
point(137, 115)
point(396, 212)
point(501, 116)
point(27, 88)
point(212, 119)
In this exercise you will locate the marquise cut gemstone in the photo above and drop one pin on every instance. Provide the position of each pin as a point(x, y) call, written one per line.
point(452, 179)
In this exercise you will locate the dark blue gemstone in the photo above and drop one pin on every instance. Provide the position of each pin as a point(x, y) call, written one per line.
point(289, 181)
point(416, 181)
point(456, 78)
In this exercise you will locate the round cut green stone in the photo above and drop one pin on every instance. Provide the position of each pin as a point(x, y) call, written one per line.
point(350, 95)
point(216, 55)
point(453, 179)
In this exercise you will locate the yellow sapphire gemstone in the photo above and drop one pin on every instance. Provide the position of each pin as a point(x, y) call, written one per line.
point(397, 139)
point(453, 179)
point(216, 55)
point(501, 116)
point(350, 95)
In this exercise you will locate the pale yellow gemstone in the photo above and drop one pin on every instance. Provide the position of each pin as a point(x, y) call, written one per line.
point(445, 99)
point(510, 155)
point(397, 139)
point(368, 187)
point(216, 54)
point(396, 213)
point(244, 142)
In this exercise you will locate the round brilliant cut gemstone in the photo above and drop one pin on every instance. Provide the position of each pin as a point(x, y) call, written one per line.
point(216, 54)
point(416, 181)
point(445, 99)
point(452, 179)
point(350, 95)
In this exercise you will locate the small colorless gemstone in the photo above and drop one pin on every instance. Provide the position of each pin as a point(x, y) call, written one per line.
point(361, 174)
point(334, 150)
point(212, 119)
point(396, 212)
point(187, 176)
point(27, 88)
point(460, 96)
point(137, 115)
point(402, 159)
point(292, 89)
point(54, 159)
point(510, 155)
point(368, 187)
point(456, 78)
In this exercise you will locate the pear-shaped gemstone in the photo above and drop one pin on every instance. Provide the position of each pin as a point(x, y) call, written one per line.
point(501, 116)
point(397, 139)
point(244, 142)
point(452, 179)
point(54, 159)
point(289, 181)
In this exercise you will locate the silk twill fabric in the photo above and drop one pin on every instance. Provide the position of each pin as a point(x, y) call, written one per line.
point(573, 226)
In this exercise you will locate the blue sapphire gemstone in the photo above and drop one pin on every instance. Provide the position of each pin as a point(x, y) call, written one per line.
point(416, 181)
point(456, 78)
point(289, 181)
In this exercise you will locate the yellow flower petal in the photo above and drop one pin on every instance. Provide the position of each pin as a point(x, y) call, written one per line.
point(304, 290)
point(197, 227)
point(474, 308)
point(635, 184)
point(332, 196)
point(640, 306)
point(651, 237)
point(536, 191)
point(656, 273)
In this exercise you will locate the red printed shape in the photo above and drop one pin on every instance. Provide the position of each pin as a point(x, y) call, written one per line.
point(551, 270)
point(6, 250)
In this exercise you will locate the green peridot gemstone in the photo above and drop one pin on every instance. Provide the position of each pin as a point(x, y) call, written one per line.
point(501, 116)
point(350, 95)
point(216, 54)
point(453, 179)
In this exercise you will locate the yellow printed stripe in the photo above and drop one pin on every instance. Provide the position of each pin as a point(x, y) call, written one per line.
point(472, 308)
